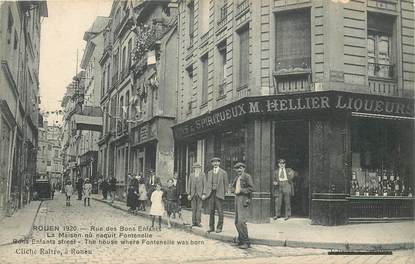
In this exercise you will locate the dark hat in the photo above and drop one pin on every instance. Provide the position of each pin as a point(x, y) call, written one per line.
point(197, 165)
point(239, 164)
point(281, 160)
point(215, 159)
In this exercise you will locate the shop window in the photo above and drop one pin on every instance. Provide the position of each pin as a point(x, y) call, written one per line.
point(243, 73)
point(205, 73)
point(230, 147)
point(379, 46)
point(382, 158)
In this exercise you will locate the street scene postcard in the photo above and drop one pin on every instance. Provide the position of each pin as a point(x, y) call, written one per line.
point(207, 131)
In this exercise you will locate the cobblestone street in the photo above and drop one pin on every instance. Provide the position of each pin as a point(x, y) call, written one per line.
point(54, 213)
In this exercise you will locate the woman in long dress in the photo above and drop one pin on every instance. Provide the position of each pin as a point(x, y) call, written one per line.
point(157, 205)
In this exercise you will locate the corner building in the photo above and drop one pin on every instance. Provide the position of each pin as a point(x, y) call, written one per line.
point(326, 85)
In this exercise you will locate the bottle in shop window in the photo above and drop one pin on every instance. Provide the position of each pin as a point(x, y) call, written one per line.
point(403, 189)
point(366, 191)
point(357, 192)
point(409, 192)
point(397, 186)
point(379, 175)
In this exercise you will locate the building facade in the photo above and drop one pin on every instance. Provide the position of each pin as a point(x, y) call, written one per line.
point(19, 99)
point(327, 85)
point(138, 97)
point(49, 160)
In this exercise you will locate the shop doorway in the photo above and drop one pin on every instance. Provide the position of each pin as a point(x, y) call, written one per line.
point(291, 143)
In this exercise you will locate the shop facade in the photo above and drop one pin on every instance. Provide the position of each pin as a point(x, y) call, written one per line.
point(152, 148)
point(352, 152)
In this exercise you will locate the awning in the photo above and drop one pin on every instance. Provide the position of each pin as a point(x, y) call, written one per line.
point(390, 117)
point(85, 122)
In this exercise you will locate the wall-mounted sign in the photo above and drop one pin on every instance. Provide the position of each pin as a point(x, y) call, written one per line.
point(293, 103)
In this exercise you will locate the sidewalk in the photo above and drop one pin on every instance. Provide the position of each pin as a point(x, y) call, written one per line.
point(298, 232)
point(19, 226)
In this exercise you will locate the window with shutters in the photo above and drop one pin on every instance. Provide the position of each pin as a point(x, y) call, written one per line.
point(205, 72)
point(293, 41)
point(292, 51)
point(243, 72)
point(221, 69)
point(191, 21)
point(203, 16)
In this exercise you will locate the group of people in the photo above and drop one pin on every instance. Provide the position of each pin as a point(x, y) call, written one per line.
point(212, 188)
point(84, 189)
point(109, 187)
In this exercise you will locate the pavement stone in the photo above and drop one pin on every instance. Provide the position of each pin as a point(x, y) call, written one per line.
point(387, 236)
point(19, 225)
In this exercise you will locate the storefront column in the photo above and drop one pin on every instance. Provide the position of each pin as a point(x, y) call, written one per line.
point(258, 159)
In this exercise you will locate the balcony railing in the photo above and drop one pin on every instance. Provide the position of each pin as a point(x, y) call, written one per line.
point(242, 7)
point(383, 87)
point(292, 82)
point(381, 79)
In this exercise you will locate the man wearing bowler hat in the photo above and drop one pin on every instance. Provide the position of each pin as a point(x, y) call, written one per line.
point(216, 185)
point(283, 188)
point(194, 192)
point(243, 187)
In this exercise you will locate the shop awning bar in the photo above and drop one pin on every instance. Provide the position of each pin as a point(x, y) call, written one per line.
point(390, 117)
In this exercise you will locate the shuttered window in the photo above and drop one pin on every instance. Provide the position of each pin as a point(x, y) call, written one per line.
point(243, 57)
point(205, 73)
point(293, 40)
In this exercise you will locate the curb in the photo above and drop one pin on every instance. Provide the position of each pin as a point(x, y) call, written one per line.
point(280, 243)
point(29, 234)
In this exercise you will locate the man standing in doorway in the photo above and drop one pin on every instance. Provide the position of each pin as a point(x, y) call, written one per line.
point(194, 193)
point(243, 186)
point(283, 188)
point(216, 186)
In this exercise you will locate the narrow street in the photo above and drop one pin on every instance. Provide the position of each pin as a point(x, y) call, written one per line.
point(53, 213)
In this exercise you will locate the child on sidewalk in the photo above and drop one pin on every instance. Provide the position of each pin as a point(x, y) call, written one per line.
point(157, 207)
point(68, 193)
point(172, 198)
point(132, 199)
point(142, 194)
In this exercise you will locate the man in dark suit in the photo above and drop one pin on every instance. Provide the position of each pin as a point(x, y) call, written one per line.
point(79, 187)
point(216, 185)
point(195, 192)
point(242, 186)
point(283, 188)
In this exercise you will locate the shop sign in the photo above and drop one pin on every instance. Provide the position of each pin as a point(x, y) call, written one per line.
point(292, 103)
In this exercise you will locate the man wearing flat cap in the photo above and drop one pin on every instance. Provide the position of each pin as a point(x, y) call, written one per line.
point(243, 187)
point(195, 192)
point(216, 185)
point(283, 188)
